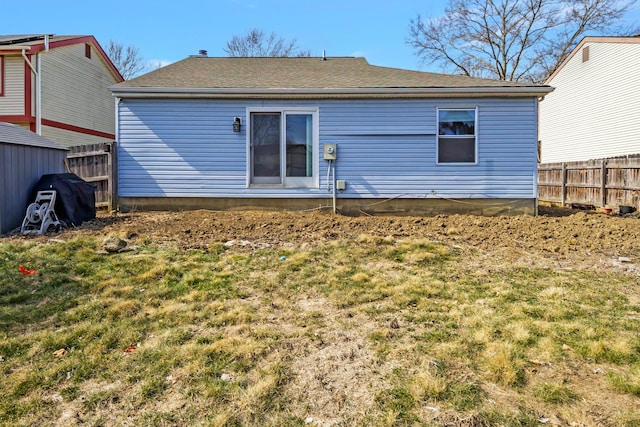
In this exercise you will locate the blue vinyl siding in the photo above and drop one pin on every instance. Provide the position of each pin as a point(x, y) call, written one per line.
point(386, 148)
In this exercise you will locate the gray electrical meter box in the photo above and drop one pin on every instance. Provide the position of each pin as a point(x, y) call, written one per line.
point(330, 151)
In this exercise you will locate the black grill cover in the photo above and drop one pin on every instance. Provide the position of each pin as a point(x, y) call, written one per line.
point(75, 198)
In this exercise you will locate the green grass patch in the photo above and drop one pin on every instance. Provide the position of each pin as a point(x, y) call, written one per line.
point(555, 393)
point(628, 383)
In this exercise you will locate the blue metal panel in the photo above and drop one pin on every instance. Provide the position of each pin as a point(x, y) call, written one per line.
point(386, 148)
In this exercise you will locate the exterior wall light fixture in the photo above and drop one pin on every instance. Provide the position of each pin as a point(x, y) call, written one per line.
point(237, 123)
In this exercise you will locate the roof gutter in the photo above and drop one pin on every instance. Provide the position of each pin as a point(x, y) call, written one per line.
point(14, 48)
point(23, 49)
point(299, 93)
point(35, 69)
point(28, 61)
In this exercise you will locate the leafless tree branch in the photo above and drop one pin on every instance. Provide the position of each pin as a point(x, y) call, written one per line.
point(257, 43)
point(519, 40)
point(127, 60)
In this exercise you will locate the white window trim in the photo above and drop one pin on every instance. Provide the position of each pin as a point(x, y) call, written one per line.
point(2, 73)
point(294, 182)
point(475, 127)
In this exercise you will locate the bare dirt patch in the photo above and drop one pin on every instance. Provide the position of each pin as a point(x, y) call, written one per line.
point(557, 237)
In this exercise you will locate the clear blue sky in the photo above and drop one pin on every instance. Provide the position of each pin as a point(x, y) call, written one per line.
point(167, 31)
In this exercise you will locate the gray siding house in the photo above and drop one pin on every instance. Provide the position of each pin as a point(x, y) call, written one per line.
point(24, 158)
point(335, 132)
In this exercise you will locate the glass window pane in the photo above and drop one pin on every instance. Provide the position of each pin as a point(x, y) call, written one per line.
point(456, 150)
point(456, 122)
point(299, 144)
point(265, 142)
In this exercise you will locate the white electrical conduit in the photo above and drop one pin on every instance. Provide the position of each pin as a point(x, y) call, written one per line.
point(333, 186)
point(331, 171)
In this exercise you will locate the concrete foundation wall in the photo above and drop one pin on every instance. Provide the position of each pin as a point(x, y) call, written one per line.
point(352, 207)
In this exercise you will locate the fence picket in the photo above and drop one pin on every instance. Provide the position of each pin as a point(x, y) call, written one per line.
point(603, 182)
point(93, 163)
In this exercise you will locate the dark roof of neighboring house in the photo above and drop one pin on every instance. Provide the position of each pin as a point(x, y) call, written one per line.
point(14, 134)
point(15, 38)
point(34, 39)
point(300, 75)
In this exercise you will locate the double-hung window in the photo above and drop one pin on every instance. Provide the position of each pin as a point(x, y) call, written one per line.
point(282, 147)
point(457, 137)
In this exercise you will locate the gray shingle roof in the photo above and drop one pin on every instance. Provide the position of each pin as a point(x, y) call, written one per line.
point(274, 74)
point(14, 134)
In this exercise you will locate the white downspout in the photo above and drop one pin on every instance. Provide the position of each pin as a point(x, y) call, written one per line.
point(39, 85)
point(39, 94)
point(35, 72)
point(24, 55)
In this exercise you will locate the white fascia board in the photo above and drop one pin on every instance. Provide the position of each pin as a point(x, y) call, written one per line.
point(458, 92)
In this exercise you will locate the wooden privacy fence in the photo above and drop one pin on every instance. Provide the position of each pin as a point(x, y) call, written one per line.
point(606, 182)
point(94, 164)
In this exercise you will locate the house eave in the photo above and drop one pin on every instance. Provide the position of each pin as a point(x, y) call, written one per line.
point(306, 93)
point(17, 49)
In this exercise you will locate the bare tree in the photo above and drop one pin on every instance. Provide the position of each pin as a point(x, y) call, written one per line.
point(127, 60)
point(257, 43)
point(517, 40)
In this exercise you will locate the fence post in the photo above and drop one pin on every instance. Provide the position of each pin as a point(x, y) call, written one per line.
point(563, 189)
point(113, 170)
point(603, 183)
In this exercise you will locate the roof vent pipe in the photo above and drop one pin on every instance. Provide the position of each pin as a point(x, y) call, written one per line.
point(324, 56)
point(202, 52)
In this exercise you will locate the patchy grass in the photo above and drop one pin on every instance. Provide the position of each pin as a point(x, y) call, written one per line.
point(351, 332)
point(555, 393)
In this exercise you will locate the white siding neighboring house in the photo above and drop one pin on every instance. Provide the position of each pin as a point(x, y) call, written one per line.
point(594, 111)
point(57, 86)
